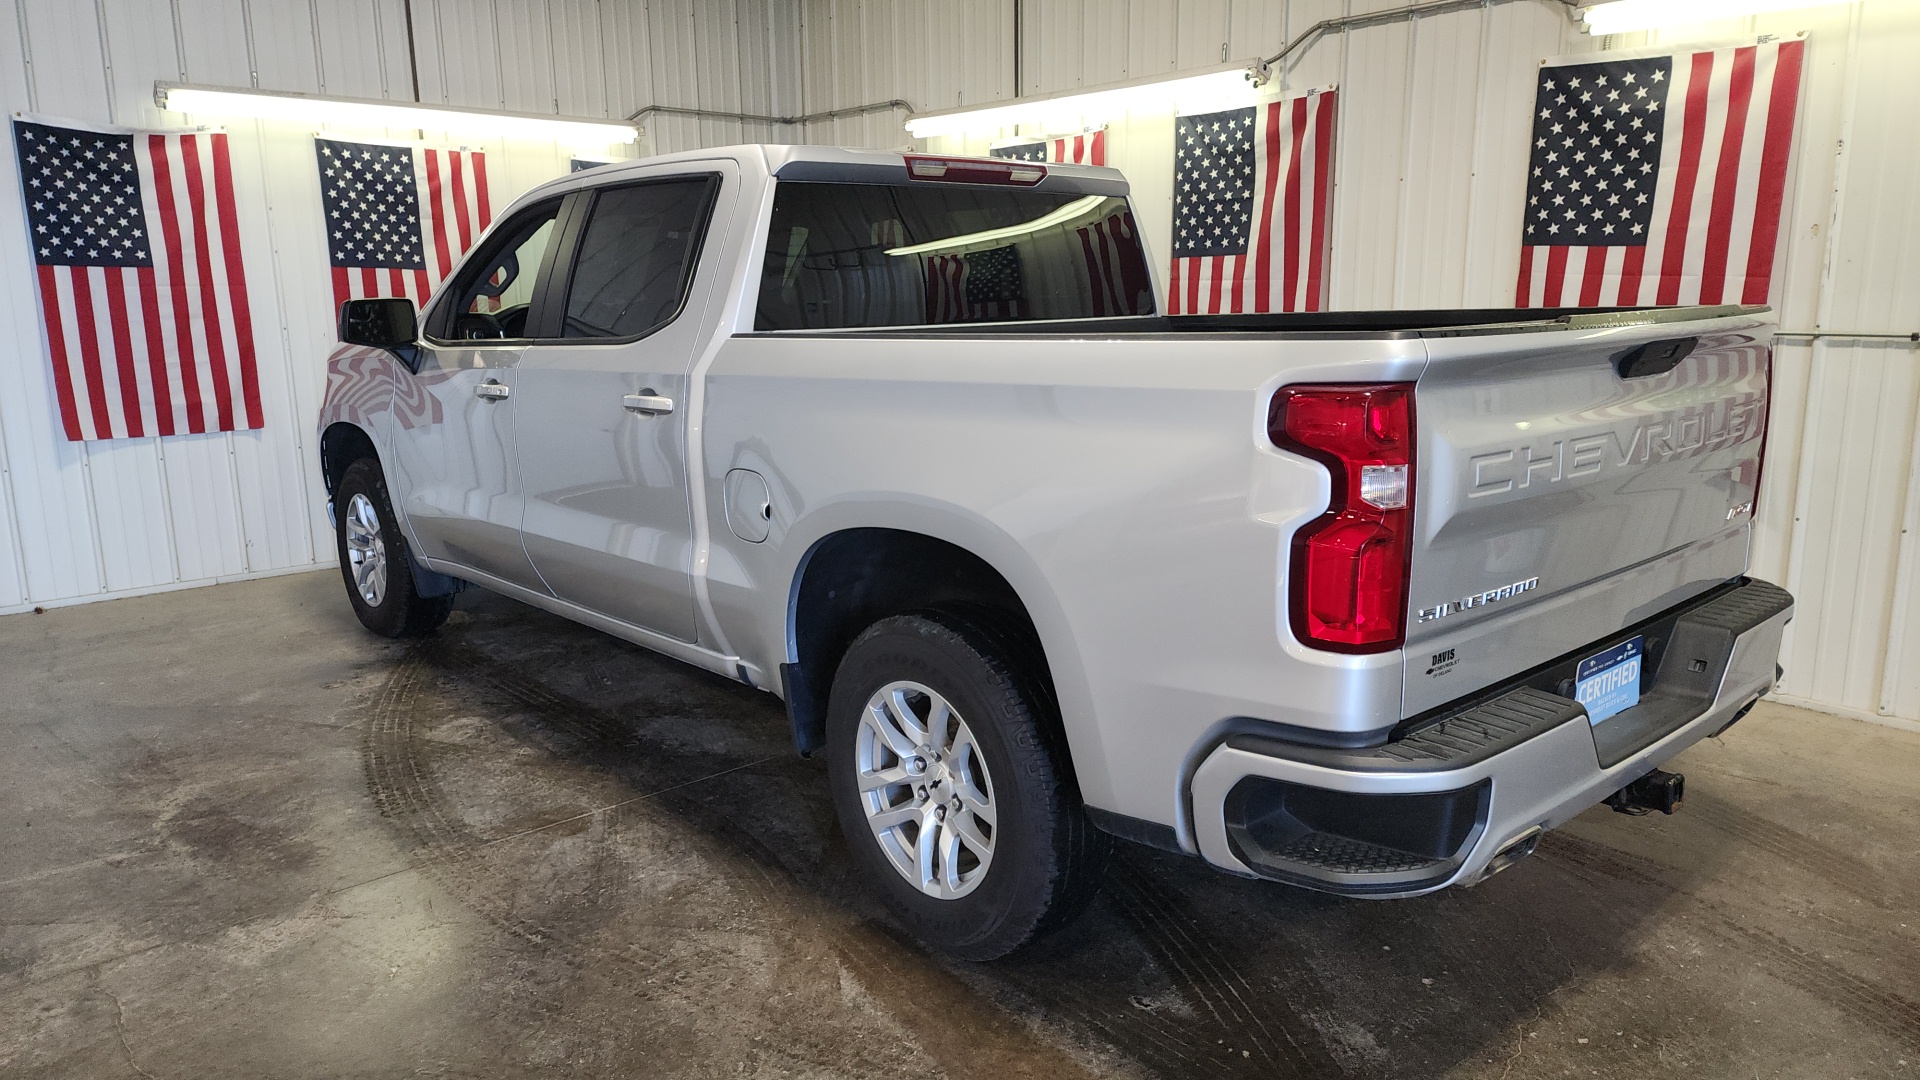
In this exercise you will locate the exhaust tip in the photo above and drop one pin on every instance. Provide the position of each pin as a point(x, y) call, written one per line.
point(1512, 852)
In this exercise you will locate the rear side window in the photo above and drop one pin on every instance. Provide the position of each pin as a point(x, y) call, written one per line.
point(862, 255)
point(636, 257)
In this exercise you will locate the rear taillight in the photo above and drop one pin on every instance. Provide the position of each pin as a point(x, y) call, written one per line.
point(1349, 590)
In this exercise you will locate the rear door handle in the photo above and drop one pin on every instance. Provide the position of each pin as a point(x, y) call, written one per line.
point(491, 390)
point(650, 403)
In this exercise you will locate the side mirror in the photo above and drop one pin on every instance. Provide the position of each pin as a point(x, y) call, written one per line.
point(383, 324)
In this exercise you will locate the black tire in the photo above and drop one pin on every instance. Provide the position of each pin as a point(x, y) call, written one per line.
point(398, 609)
point(1047, 857)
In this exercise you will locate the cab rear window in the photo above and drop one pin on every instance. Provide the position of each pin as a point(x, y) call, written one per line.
point(845, 256)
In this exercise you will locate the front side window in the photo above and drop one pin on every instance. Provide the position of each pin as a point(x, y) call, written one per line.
point(636, 257)
point(866, 255)
point(494, 293)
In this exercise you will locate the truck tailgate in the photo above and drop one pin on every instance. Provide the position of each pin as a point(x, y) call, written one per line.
point(1574, 482)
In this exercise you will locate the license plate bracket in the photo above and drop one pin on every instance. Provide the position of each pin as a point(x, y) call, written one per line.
point(1608, 683)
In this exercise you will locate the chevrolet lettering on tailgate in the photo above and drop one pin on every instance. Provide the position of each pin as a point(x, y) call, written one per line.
point(1685, 435)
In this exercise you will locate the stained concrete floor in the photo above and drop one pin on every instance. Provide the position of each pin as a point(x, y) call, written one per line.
point(241, 837)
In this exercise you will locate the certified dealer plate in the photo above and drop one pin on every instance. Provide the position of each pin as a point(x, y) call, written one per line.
point(1609, 683)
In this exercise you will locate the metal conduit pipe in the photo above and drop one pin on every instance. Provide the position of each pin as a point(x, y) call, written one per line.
point(1348, 22)
point(1816, 334)
point(756, 118)
point(1312, 34)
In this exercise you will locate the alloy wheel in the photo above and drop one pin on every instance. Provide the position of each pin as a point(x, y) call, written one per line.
point(366, 549)
point(925, 788)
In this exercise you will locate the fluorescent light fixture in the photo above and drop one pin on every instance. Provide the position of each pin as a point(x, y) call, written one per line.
point(1227, 86)
point(1626, 16)
point(1064, 214)
point(212, 101)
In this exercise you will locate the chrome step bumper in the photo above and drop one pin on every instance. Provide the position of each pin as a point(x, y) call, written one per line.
point(1434, 807)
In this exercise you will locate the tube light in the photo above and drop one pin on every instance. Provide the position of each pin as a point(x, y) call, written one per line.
point(1059, 216)
point(366, 112)
point(1225, 87)
point(1626, 16)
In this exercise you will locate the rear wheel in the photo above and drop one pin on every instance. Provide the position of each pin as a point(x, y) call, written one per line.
point(952, 788)
point(374, 561)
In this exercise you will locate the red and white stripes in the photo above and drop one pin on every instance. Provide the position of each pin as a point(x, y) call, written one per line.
point(164, 349)
point(454, 211)
point(1285, 267)
point(1084, 148)
point(1717, 199)
point(1116, 274)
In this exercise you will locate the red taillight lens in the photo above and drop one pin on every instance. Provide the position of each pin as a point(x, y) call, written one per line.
point(1349, 589)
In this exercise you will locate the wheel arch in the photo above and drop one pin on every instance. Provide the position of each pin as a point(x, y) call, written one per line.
point(342, 444)
point(864, 564)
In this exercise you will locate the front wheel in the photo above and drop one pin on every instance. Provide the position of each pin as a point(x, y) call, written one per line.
point(952, 787)
point(373, 558)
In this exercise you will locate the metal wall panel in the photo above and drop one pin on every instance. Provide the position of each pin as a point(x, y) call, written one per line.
point(1437, 159)
point(523, 51)
point(63, 548)
point(1859, 425)
point(1516, 35)
point(350, 68)
point(81, 521)
point(625, 65)
point(579, 83)
point(281, 46)
point(468, 71)
point(1374, 84)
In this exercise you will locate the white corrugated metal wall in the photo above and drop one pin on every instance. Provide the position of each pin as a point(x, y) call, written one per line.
point(1432, 150)
point(83, 521)
point(1430, 174)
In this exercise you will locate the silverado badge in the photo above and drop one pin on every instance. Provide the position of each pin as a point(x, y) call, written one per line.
point(1441, 611)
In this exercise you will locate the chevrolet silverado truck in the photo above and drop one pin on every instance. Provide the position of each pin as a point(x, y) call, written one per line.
point(1356, 601)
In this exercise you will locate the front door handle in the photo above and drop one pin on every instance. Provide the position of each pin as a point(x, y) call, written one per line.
point(491, 390)
point(648, 402)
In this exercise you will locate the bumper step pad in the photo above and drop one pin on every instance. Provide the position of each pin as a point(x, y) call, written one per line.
point(1345, 855)
point(1350, 842)
point(1471, 735)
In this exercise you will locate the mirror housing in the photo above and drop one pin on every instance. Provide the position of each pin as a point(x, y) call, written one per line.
point(389, 324)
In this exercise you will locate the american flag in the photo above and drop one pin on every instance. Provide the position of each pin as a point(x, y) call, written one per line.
point(1659, 180)
point(137, 248)
point(1253, 193)
point(398, 217)
point(1118, 277)
point(976, 286)
point(1079, 148)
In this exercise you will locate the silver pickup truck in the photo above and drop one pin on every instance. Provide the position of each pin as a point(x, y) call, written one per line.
point(1356, 601)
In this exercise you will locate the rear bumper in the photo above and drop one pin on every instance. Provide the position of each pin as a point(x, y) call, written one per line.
point(1443, 803)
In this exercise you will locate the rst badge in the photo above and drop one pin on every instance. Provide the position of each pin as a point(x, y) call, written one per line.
point(1491, 596)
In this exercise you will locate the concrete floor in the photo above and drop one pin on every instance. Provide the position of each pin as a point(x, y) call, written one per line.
point(242, 837)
